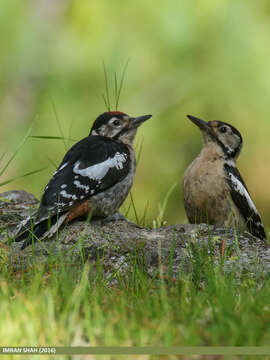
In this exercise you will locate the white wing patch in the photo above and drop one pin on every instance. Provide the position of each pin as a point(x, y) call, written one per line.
point(98, 171)
point(81, 186)
point(68, 196)
point(57, 205)
point(239, 187)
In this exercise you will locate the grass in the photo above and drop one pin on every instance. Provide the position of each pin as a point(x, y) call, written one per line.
point(5, 167)
point(58, 304)
point(117, 88)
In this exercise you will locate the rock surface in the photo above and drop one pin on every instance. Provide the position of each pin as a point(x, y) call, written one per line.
point(118, 244)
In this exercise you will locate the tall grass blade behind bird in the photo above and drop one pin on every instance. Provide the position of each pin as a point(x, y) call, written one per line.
point(106, 96)
point(59, 124)
point(15, 152)
point(52, 137)
point(2, 156)
point(22, 176)
point(115, 90)
point(119, 90)
point(159, 221)
point(118, 86)
point(134, 208)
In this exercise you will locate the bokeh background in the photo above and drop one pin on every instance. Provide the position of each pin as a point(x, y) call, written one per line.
point(206, 58)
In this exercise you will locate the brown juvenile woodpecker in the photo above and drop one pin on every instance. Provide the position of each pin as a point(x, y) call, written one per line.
point(95, 176)
point(214, 191)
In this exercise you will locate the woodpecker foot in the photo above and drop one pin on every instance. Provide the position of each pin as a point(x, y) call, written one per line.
point(115, 217)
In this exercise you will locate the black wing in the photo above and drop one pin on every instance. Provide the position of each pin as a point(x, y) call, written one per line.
point(92, 165)
point(243, 201)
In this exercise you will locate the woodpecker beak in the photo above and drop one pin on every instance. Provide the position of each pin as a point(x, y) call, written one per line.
point(137, 121)
point(203, 125)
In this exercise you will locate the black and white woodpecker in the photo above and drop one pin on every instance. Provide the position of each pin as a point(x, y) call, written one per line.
point(214, 191)
point(95, 176)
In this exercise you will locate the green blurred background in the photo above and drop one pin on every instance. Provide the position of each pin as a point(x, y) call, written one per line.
point(206, 58)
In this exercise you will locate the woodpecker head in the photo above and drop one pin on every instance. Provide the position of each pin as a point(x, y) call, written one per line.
point(118, 126)
point(224, 135)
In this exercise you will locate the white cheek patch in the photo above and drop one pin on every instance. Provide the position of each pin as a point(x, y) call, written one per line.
point(98, 171)
point(239, 187)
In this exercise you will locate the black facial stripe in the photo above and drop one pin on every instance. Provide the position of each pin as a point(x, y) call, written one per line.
point(220, 143)
point(235, 152)
point(229, 153)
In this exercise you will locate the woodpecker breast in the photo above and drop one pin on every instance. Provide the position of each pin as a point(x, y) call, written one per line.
point(206, 193)
point(109, 201)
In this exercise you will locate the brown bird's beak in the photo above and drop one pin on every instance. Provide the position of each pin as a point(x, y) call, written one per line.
point(137, 121)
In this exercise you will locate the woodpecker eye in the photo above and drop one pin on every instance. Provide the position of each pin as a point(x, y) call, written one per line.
point(116, 122)
point(223, 129)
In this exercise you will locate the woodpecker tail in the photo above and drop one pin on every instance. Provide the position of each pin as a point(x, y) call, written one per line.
point(256, 228)
point(43, 228)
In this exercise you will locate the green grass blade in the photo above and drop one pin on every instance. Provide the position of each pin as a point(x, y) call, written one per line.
point(22, 176)
point(143, 219)
point(52, 137)
point(140, 147)
point(16, 151)
point(115, 90)
point(126, 209)
point(107, 101)
point(159, 221)
point(134, 208)
point(58, 123)
point(121, 83)
point(2, 156)
point(69, 132)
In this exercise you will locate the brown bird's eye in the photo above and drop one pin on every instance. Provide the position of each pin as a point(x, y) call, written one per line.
point(116, 122)
point(223, 129)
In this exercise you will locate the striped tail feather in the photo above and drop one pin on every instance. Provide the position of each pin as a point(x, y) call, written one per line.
point(43, 228)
